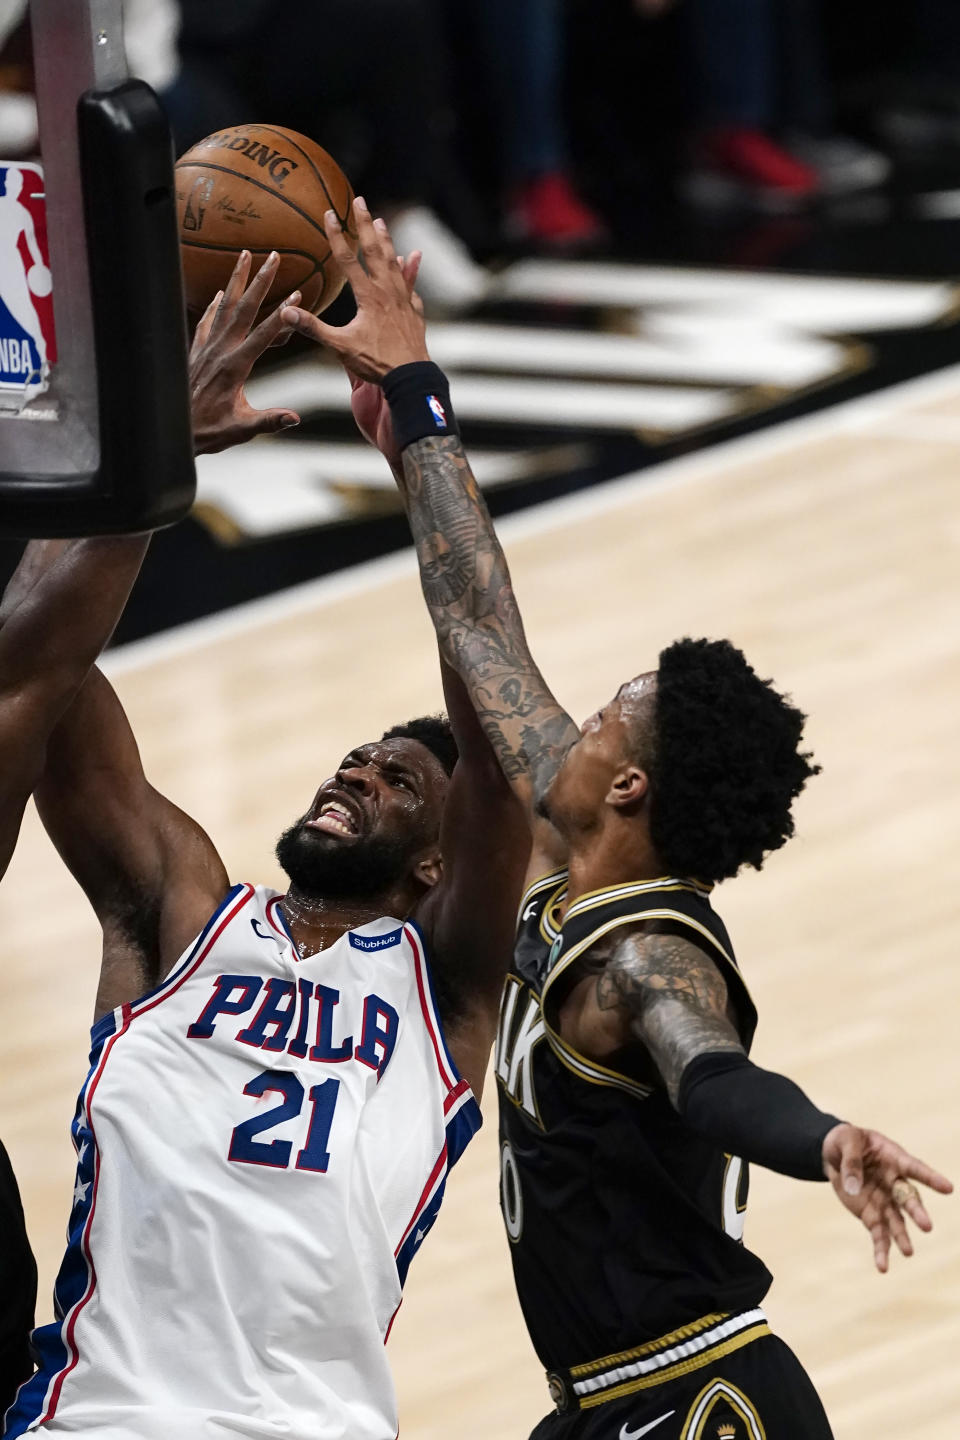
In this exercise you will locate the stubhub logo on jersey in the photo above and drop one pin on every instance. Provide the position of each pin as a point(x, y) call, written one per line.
point(27, 339)
point(375, 942)
point(302, 1020)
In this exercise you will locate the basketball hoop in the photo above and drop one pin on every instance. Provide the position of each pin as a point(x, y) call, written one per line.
point(100, 363)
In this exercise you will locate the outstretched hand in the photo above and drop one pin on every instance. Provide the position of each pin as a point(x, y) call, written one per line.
point(873, 1179)
point(388, 329)
point(225, 347)
point(368, 402)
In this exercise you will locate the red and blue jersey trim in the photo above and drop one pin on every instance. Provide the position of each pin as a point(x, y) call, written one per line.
point(462, 1117)
point(55, 1344)
point(461, 1114)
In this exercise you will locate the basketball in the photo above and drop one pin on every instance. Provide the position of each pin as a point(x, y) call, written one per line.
point(260, 188)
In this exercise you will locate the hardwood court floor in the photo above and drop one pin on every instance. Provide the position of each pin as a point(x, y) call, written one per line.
point(832, 554)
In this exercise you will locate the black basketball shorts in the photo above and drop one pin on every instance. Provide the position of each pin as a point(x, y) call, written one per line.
point(759, 1392)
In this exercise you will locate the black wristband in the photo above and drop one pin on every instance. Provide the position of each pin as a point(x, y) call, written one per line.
point(419, 400)
point(754, 1113)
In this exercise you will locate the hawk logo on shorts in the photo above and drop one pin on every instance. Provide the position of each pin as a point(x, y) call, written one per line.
point(27, 341)
point(437, 411)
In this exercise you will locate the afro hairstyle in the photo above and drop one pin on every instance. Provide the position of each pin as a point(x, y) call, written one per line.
point(434, 732)
point(727, 763)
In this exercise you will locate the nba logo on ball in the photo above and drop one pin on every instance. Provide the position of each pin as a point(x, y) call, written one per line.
point(27, 340)
point(438, 412)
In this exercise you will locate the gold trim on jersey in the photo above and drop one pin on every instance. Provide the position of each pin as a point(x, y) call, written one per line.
point(712, 1392)
point(592, 1070)
point(695, 1345)
point(534, 888)
point(637, 887)
point(551, 924)
point(637, 917)
point(686, 1332)
point(674, 1372)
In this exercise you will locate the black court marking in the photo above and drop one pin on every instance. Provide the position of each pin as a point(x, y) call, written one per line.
point(259, 185)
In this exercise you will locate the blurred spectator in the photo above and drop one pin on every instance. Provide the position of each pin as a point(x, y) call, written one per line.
point(365, 78)
point(523, 46)
point(150, 31)
point(924, 113)
point(766, 120)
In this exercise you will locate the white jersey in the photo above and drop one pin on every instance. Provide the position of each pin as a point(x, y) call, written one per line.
point(262, 1145)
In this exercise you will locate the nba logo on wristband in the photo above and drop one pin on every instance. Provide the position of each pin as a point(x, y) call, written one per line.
point(437, 411)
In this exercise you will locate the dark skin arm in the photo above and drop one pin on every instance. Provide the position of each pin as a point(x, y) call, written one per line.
point(152, 875)
point(469, 917)
point(463, 570)
point(57, 616)
point(664, 995)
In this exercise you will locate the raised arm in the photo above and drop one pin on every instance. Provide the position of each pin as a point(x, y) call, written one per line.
point(150, 872)
point(470, 914)
point(467, 586)
point(59, 611)
point(464, 573)
point(661, 994)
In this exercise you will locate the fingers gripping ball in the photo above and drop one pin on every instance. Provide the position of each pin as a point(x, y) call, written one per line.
point(261, 188)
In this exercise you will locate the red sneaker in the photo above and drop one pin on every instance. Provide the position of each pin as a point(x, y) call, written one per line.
point(737, 165)
point(548, 211)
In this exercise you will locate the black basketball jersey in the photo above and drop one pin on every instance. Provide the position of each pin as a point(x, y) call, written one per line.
point(623, 1224)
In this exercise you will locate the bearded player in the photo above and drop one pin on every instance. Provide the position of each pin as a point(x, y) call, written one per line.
point(629, 1106)
point(58, 612)
point(272, 1108)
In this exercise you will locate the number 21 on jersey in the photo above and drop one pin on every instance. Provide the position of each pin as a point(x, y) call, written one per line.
point(245, 1150)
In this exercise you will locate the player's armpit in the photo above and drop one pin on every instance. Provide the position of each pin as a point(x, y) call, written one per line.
point(664, 992)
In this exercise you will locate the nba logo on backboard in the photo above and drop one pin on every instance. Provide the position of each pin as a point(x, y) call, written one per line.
point(438, 412)
point(27, 340)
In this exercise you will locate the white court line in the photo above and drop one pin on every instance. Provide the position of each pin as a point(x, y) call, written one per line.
point(518, 399)
point(848, 418)
point(828, 304)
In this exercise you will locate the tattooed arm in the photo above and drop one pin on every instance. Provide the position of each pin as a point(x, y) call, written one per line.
point(467, 587)
point(464, 573)
point(660, 992)
point(664, 994)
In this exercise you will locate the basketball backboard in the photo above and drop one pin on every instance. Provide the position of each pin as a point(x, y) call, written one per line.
point(94, 405)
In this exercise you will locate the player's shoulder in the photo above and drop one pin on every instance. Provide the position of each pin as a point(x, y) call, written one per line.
point(666, 903)
point(674, 906)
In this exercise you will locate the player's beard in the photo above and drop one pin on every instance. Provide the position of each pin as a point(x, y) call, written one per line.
point(321, 867)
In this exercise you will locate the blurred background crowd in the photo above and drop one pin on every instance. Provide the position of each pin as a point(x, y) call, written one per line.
point(484, 128)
